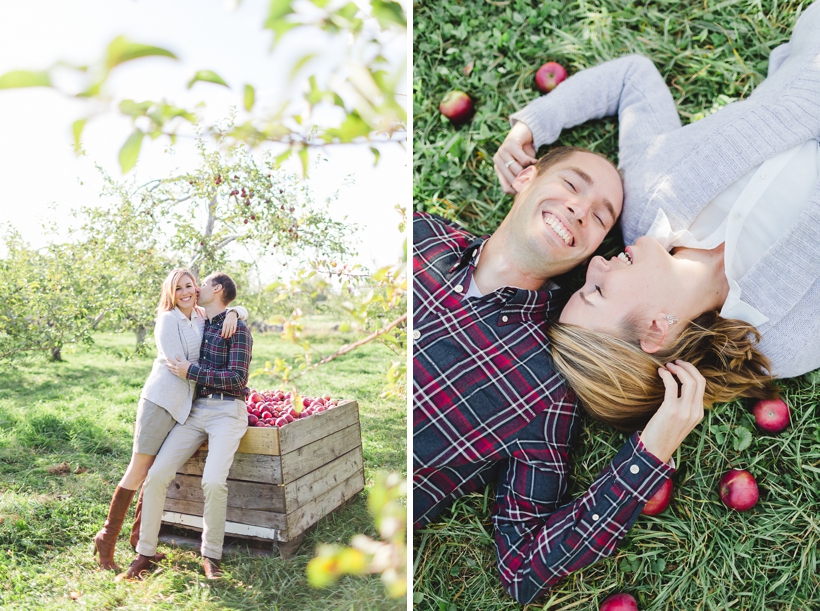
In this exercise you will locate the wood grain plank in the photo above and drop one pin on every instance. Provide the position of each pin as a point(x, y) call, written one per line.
point(260, 468)
point(249, 517)
point(310, 513)
point(313, 455)
point(194, 522)
point(326, 477)
point(304, 431)
point(243, 495)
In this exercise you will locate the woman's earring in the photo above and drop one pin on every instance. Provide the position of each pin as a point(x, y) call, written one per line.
point(671, 319)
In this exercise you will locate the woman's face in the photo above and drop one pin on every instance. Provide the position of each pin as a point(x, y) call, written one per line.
point(640, 283)
point(185, 294)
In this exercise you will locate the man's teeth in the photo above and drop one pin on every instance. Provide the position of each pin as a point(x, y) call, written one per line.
point(558, 228)
point(625, 258)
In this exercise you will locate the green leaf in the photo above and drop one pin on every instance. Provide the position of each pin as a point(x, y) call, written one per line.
point(24, 78)
point(134, 109)
point(279, 9)
point(122, 50)
point(388, 13)
point(130, 151)
point(300, 64)
point(376, 155)
point(208, 76)
point(280, 159)
point(418, 597)
point(743, 439)
point(77, 131)
point(303, 157)
point(250, 97)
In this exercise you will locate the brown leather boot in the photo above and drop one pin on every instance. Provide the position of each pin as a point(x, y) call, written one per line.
point(212, 567)
point(135, 528)
point(138, 568)
point(106, 539)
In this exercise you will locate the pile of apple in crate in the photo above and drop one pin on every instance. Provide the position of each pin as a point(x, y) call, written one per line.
point(300, 459)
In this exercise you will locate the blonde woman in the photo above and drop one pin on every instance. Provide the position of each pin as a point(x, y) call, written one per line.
point(165, 399)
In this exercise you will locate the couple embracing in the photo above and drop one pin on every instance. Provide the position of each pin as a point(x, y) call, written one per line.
point(194, 393)
point(717, 294)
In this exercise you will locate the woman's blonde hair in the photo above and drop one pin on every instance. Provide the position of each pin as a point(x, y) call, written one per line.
point(167, 295)
point(618, 383)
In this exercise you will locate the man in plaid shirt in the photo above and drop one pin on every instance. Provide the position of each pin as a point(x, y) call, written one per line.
point(218, 416)
point(488, 404)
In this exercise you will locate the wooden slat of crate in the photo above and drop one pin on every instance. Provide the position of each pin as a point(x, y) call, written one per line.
point(313, 455)
point(247, 467)
point(288, 467)
point(279, 527)
point(303, 432)
point(271, 441)
point(259, 498)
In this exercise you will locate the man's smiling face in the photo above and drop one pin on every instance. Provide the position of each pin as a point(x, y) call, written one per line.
point(563, 214)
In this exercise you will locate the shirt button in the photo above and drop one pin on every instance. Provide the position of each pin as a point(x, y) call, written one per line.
point(475, 252)
point(504, 318)
point(737, 215)
point(459, 288)
point(634, 469)
point(765, 176)
point(416, 334)
point(595, 517)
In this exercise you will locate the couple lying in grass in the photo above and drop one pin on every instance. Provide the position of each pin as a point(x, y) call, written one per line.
point(717, 294)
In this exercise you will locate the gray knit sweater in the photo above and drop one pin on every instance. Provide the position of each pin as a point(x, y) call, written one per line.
point(681, 169)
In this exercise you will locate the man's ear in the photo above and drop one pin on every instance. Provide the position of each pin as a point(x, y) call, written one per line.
point(526, 175)
point(656, 335)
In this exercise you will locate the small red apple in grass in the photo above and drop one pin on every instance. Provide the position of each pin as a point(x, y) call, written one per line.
point(619, 602)
point(659, 501)
point(738, 490)
point(772, 415)
point(457, 106)
point(549, 76)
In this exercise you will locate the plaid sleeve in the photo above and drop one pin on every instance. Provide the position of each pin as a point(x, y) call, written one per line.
point(538, 543)
point(235, 376)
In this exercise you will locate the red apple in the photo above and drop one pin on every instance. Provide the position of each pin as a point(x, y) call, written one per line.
point(772, 415)
point(619, 602)
point(738, 490)
point(457, 106)
point(549, 76)
point(659, 501)
point(252, 420)
point(255, 397)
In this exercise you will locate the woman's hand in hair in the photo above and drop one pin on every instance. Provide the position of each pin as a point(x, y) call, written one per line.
point(515, 153)
point(680, 412)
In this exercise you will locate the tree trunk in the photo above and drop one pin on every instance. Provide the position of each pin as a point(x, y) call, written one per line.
point(141, 333)
point(55, 353)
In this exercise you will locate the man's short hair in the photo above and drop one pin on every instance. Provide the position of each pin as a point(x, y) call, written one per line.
point(228, 286)
point(559, 153)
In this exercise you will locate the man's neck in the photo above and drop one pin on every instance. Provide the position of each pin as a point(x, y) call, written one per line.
point(214, 309)
point(501, 265)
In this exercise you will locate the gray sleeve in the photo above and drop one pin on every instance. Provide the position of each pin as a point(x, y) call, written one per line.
point(777, 57)
point(166, 334)
point(630, 87)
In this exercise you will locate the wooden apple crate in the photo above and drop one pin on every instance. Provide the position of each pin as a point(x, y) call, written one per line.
point(282, 481)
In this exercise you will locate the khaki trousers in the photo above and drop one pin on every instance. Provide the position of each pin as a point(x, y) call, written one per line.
point(222, 423)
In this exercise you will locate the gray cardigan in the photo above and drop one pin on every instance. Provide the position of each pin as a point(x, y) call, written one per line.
point(681, 169)
point(174, 337)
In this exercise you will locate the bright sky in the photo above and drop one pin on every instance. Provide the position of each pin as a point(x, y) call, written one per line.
point(37, 163)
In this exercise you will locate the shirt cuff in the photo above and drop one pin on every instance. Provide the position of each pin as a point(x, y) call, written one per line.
point(193, 372)
point(638, 471)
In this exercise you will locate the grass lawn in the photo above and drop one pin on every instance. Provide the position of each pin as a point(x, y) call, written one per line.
point(696, 555)
point(82, 411)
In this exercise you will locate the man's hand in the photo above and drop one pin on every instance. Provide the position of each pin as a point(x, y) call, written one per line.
point(515, 153)
point(677, 415)
point(177, 366)
point(229, 324)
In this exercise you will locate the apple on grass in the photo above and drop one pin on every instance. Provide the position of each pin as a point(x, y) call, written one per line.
point(549, 76)
point(619, 602)
point(738, 490)
point(659, 501)
point(772, 415)
point(456, 106)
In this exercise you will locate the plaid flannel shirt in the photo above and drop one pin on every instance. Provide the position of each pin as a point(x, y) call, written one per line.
point(223, 363)
point(489, 405)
